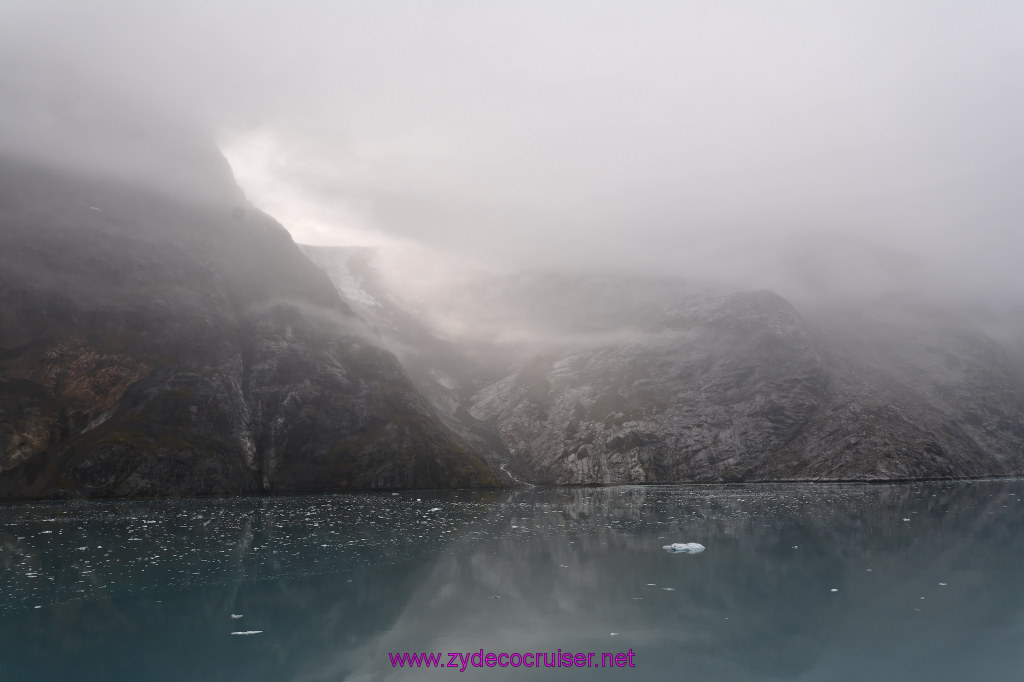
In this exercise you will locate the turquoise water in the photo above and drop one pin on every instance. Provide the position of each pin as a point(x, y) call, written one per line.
point(798, 582)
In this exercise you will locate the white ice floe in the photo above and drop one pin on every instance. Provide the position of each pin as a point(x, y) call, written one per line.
point(236, 616)
point(247, 632)
point(684, 547)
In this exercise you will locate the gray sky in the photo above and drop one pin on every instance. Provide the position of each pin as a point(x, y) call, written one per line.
point(663, 137)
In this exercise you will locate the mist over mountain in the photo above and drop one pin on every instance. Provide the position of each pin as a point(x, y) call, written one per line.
point(614, 379)
point(601, 243)
point(671, 138)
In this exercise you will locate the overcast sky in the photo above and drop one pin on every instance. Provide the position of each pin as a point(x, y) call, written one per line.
point(656, 136)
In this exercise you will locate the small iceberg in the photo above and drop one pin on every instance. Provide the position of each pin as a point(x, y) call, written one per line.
point(684, 547)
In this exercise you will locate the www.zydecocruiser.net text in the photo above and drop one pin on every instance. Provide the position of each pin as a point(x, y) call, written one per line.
point(462, 660)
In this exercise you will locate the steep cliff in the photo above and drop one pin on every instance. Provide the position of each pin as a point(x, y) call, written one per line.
point(154, 343)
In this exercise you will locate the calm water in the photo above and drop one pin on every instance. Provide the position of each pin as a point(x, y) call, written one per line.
point(798, 582)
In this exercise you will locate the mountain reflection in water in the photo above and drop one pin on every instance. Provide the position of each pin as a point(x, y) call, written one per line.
point(798, 582)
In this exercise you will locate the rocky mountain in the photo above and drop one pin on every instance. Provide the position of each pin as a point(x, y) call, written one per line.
point(161, 336)
point(156, 342)
point(637, 380)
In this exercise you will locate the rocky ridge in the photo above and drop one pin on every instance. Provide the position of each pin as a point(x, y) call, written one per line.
point(651, 381)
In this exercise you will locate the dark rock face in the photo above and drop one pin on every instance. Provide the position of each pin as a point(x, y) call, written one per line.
point(152, 345)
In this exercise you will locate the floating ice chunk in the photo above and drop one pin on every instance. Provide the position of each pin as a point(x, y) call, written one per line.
point(236, 616)
point(684, 547)
point(247, 632)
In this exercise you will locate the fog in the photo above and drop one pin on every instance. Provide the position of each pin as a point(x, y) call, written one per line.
point(803, 146)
